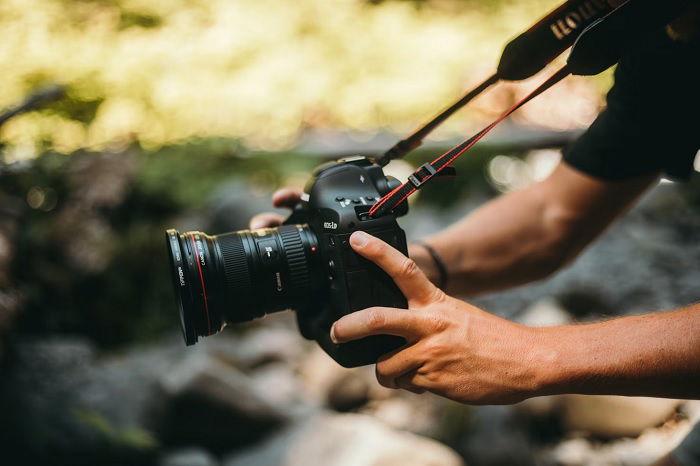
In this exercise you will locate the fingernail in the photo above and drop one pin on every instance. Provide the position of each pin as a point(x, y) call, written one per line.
point(359, 239)
point(255, 225)
point(334, 339)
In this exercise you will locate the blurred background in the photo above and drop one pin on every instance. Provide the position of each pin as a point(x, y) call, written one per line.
point(127, 117)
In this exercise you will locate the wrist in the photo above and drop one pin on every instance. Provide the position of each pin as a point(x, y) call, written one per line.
point(559, 368)
point(424, 262)
point(438, 264)
point(542, 367)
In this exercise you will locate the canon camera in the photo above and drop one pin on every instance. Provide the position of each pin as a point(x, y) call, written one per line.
point(306, 264)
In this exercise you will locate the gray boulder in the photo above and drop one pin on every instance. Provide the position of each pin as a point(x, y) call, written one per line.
point(345, 440)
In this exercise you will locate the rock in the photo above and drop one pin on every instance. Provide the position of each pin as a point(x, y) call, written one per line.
point(209, 403)
point(541, 406)
point(615, 416)
point(651, 445)
point(545, 312)
point(63, 404)
point(348, 393)
point(188, 457)
point(572, 452)
point(276, 341)
point(279, 386)
point(344, 440)
point(47, 418)
point(406, 411)
point(319, 373)
point(326, 382)
point(495, 437)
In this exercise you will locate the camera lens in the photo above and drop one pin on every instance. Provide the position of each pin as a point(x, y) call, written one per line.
point(238, 276)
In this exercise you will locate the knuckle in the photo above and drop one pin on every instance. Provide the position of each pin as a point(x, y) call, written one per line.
point(385, 382)
point(438, 295)
point(383, 379)
point(384, 370)
point(433, 323)
point(408, 267)
point(433, 349)
point(430, 378)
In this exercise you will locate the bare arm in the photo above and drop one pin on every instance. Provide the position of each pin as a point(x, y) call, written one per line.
point(458, 351)
point(650, 355)
point(527, 235)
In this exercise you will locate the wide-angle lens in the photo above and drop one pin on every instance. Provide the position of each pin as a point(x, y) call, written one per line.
point(237, 276)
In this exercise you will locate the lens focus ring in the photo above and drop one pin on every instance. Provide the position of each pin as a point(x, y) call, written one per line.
point(296, 261)
point(236, 271)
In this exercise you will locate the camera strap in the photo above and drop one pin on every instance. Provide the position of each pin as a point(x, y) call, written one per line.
point(598, 47)
point(427, 171)
point(522, 58)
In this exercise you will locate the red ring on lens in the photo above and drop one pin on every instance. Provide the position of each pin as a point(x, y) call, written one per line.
point(201, 278)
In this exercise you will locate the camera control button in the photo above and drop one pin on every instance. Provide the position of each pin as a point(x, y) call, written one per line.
point(331, 241)
point(331, 269)
point(339, 199)
point(356, 201)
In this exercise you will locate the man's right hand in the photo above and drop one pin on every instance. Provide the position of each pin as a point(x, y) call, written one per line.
point(284, 197)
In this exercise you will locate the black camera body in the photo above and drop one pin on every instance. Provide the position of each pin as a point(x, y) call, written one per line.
point(306, 264)
point(336, 203)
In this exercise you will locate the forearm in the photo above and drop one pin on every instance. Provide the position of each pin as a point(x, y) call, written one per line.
point(484, 252)
point(526, 235)
point(650, 355)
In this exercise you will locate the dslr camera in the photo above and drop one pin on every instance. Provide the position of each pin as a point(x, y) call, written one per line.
point(306, 264)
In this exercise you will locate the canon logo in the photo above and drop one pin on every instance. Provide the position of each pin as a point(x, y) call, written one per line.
point(330, 225)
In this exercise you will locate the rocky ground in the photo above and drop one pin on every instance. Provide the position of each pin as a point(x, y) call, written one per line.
point(258, 394)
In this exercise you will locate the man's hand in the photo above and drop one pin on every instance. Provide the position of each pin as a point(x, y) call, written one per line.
point(285, 197)
point(453, 349)
point(460, 352)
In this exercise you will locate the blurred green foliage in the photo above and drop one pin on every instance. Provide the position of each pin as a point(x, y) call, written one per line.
point(260, 71)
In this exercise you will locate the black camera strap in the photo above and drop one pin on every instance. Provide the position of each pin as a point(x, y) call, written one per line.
point(522, 58)
point(429, 170)
point(598, 47)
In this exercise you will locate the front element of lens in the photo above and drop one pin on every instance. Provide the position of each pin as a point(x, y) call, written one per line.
point(238, 276)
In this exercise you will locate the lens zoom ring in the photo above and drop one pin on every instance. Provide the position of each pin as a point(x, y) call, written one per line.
point(235, 264)
point(296, 260)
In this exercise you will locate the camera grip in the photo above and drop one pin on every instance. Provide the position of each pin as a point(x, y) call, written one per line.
point(362, 284)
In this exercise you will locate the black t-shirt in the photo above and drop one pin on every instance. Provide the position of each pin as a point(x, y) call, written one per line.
point(652, 119)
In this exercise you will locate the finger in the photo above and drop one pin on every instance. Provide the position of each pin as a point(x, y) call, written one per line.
point(394, 364)
point(268, 219)
point(408, 382)
point(286, 197)
point(376, 321)
point(408, 277)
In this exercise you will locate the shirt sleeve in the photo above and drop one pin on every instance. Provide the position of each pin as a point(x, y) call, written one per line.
point(652, 120)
